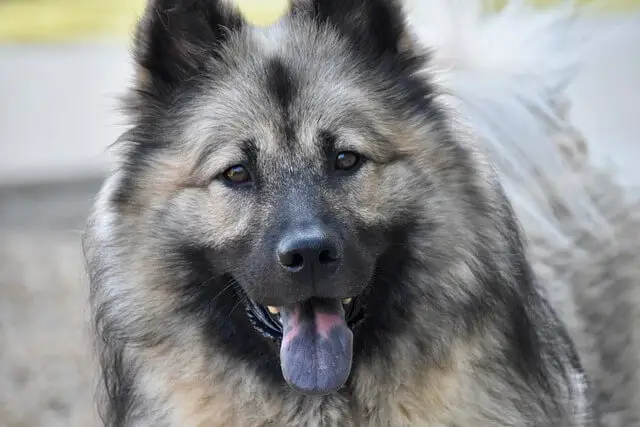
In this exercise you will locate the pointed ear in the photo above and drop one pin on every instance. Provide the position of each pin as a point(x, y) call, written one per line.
point(377, 25)
point(176, 37)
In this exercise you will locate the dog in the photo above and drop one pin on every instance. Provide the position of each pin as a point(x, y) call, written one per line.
point(370, 213)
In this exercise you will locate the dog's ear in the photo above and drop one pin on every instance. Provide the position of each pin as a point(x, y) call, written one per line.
point(377, 25)
point(176, 37)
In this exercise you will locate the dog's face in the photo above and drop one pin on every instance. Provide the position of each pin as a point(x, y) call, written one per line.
point(290, 195)
point(286, 156)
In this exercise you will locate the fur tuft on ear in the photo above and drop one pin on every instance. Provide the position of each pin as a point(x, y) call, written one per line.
point(378, 26)
point(176, 37)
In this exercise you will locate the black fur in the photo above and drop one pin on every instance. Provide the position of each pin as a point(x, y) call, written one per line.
point(375, 27)
point(214, 300)
point(179, 37)
point(281, 85)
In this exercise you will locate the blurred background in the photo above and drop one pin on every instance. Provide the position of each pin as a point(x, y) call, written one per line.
point(63, 63)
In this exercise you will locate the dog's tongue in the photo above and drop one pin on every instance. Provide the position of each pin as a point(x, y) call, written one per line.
point(317, 346)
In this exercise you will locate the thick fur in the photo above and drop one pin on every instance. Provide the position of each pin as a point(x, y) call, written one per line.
point(470, 321)
point(581, 220)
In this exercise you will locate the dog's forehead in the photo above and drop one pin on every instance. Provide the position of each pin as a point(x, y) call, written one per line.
point(287, 84)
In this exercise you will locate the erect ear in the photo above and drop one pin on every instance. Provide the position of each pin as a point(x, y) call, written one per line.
point(372, 24)
point(175, 37)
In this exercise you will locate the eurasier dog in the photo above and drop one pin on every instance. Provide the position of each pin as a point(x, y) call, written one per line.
point(306, 227)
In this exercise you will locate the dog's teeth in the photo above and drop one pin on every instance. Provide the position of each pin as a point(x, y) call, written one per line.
point(273, 310)
point(347, 301)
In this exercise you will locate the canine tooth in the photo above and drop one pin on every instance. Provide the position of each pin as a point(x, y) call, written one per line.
point(347, 301)
point(273, 310)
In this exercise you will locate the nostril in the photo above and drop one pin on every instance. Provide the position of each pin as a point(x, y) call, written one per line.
point(327, 257)
point(296, 260)
point(291, 259)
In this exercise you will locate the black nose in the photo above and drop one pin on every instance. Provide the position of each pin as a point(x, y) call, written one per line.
point(313, 251)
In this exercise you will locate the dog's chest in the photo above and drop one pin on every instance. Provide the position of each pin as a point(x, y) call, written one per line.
point(374, 417)
point(400, 410)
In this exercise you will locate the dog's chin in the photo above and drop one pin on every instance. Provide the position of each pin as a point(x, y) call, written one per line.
point(315, 338)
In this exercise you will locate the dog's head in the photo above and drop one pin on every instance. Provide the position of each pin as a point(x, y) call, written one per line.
point(292, 160)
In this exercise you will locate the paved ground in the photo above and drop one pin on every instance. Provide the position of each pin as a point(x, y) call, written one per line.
point(45, 370)
point(56, 124)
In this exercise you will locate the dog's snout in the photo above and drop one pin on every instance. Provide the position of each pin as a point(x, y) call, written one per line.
point(310, 251)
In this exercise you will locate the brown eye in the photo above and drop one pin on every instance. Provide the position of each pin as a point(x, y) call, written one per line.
point(347, 160)
point(237, 174)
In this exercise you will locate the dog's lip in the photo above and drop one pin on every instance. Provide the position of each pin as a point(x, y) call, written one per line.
point(266, 320)
point(262, 321)
point(275, 310)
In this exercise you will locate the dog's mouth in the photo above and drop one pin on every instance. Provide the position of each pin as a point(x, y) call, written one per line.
point(267, 321)
point(315, 337)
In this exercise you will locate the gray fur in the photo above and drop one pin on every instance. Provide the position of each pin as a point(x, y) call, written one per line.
point(479, 340)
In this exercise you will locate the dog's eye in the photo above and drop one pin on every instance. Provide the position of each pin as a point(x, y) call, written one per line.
point(237, 174)
point(347, 160)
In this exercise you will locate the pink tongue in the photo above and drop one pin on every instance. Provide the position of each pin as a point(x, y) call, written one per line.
point(317, 346)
